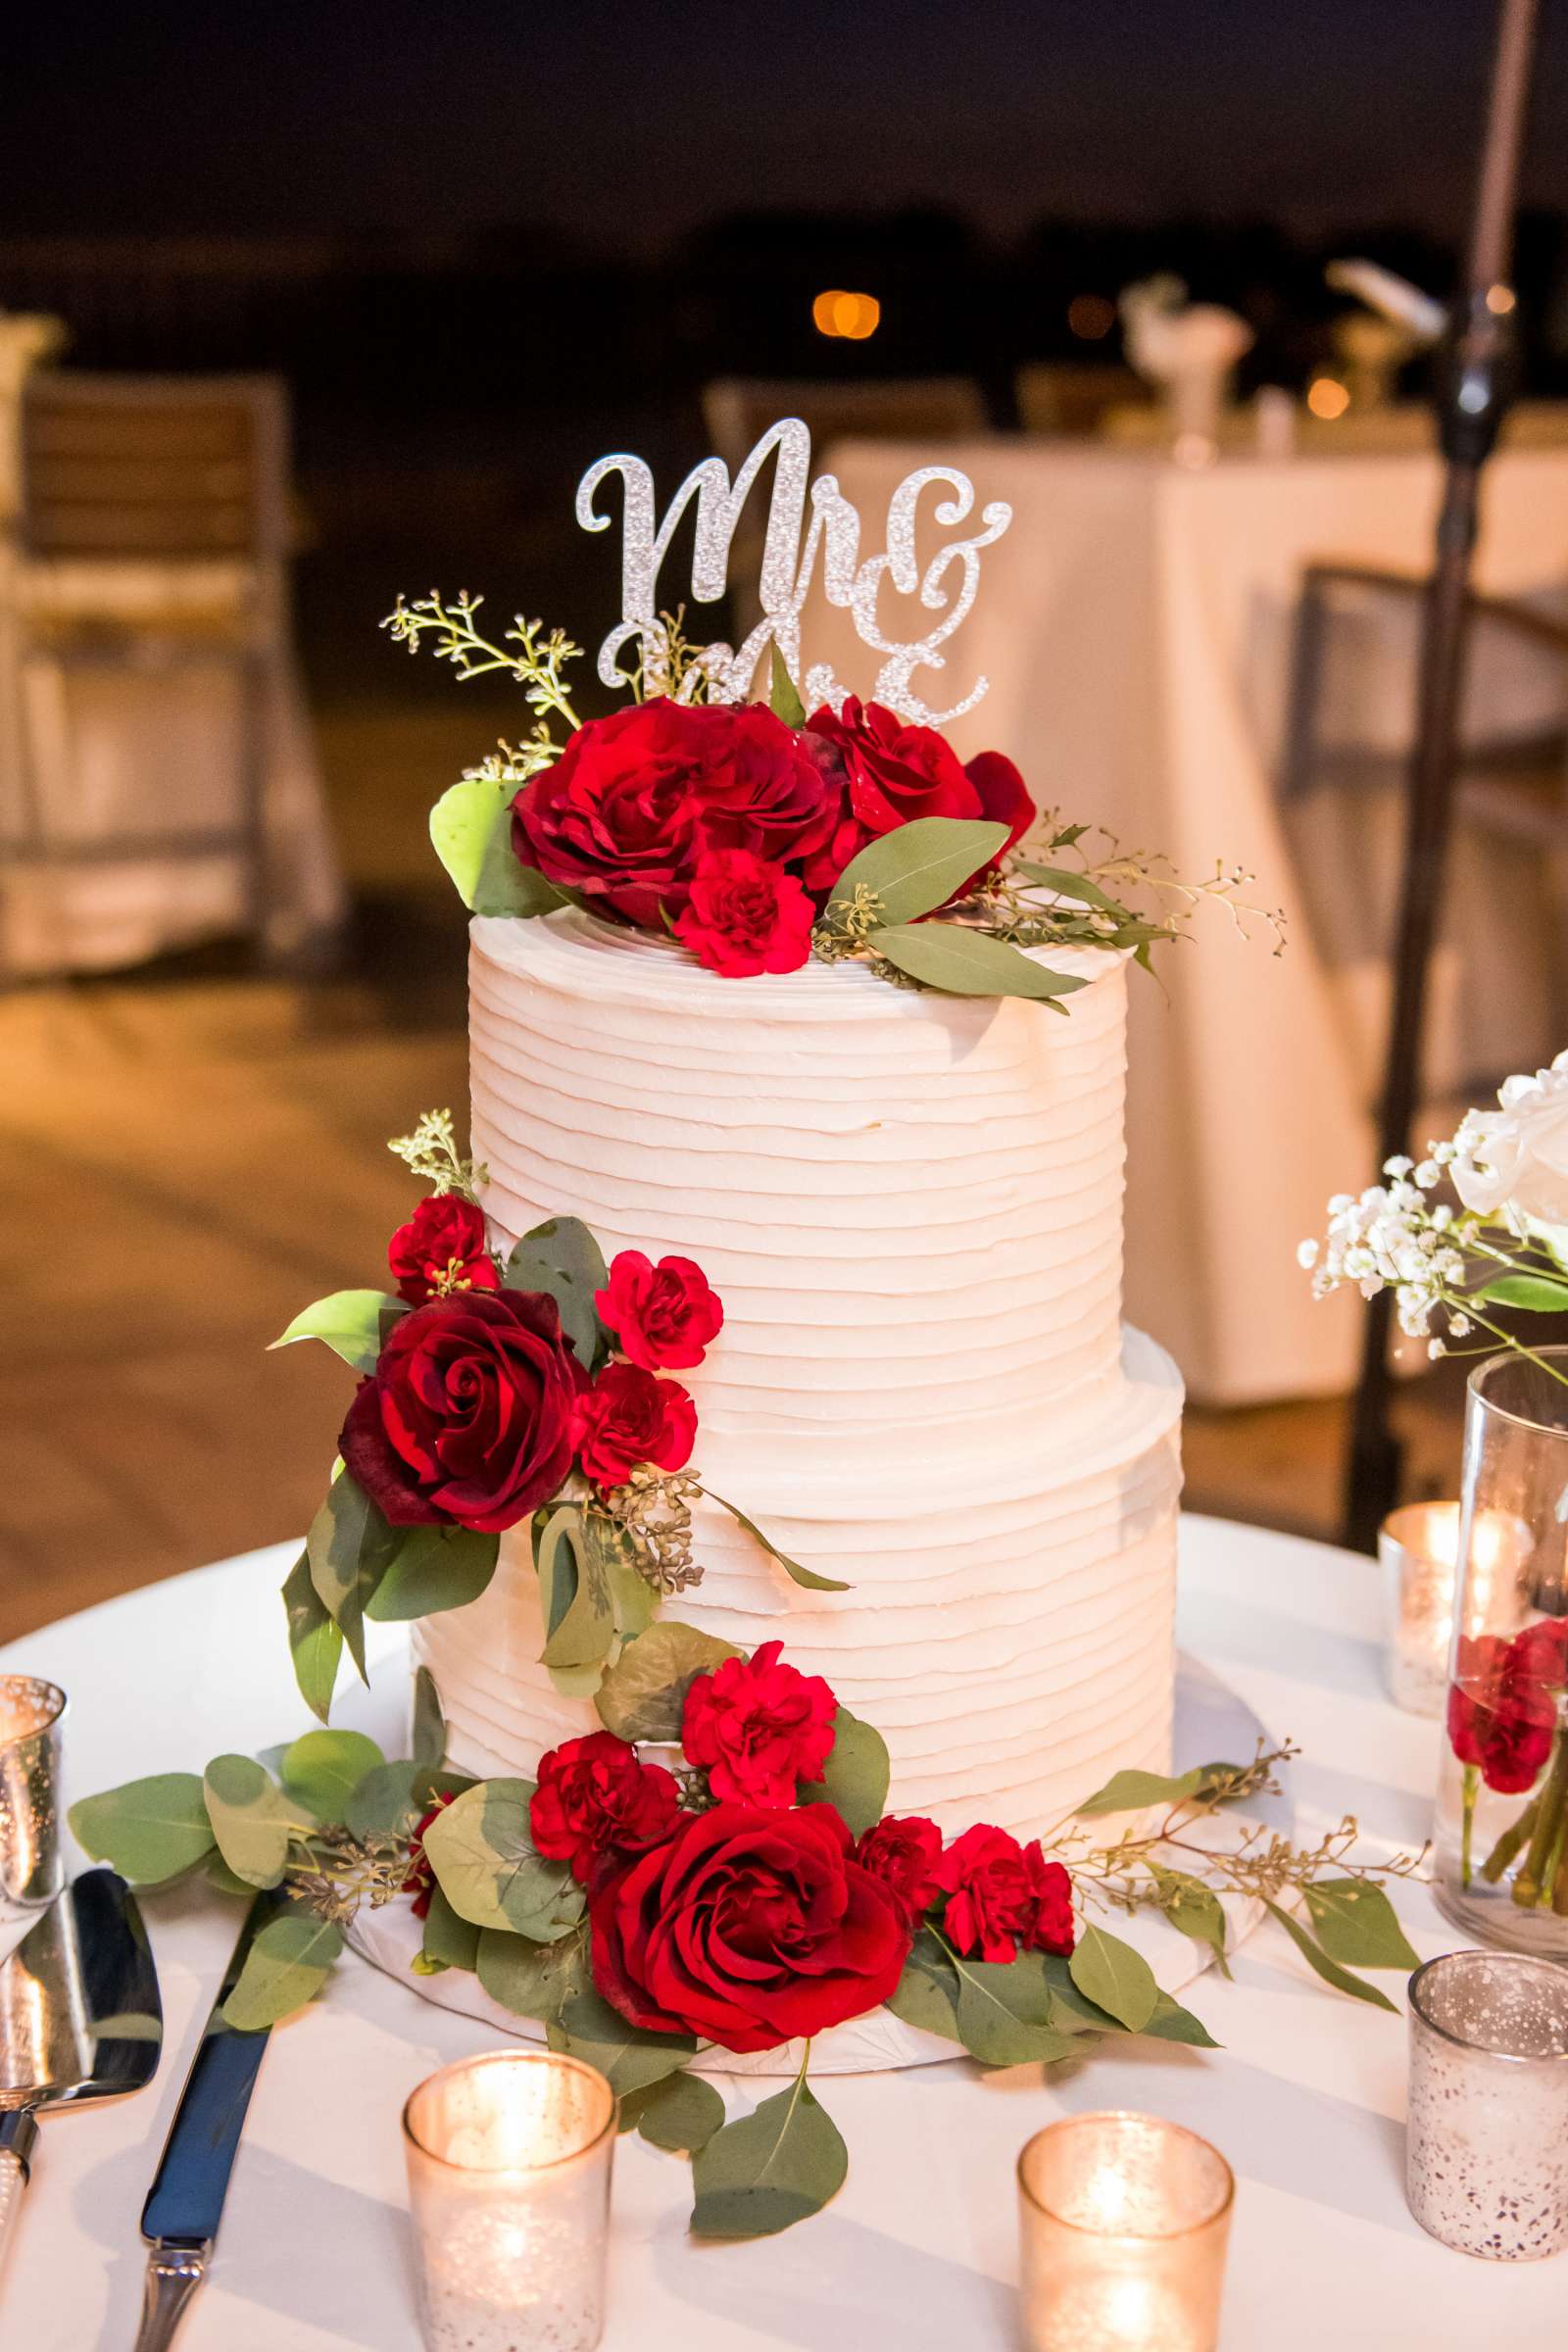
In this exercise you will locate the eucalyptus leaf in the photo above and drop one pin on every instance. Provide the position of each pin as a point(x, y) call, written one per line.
point(1115, 1977)
point(610, 1548)
point(1170, 2022)
point(531, 1980)
point(969, 963)
point(643, 1695)
point(429, 1733)
point(1536, 1292)
point(579, 1612)
point(768, 2170)
point(680, 2114)
point(449, 1941)
point(252, 1819)
point(350, 1547)
point(1130, 1792)
point(1004, 2014)
point(1327, 1968)
point(349, 1322)
point(314, 1642)
point(918, 867)
point(470, 826)
point(1356, 1925)
point(927, 1994)
point(482, 1853)
point(386, 1803)
point(630, 2058)
point(1071, 2010)
point(854, 1778)
point(1068, 885)
point(285, 1966)
point(323, 1770)
point(433, 1568)
point(806, 1577)
point(222, 1880)
point(148, 1830)
point(1192, 1909)
point(783, 699)
point(506, 885)
point(562, 1258)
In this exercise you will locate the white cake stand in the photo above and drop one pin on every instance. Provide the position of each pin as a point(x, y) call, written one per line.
point(1211, 1722)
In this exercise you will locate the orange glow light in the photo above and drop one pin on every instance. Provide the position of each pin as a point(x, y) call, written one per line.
point(847, 317)
point(1091, 317)
point(1326, 398)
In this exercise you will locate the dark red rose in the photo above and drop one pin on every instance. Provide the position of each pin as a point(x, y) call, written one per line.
point(595, 1800)
point(1500, 1717)
point(1005, 797)
point(665, 1317)
point(629, 1417)
point(759, 790)
point(747, 1928)
point(744, 916)
point(888, 772)
point(1051, 1925)
point(1002, 1895)
point(1541, 1653)
point(469, 1414)
point(758, 1728)
point(421, 1880)
point(441, 1249)
point(902, 1854)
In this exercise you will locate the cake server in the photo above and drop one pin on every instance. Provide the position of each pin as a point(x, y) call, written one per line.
point(79, 2019)
point(185, 2203)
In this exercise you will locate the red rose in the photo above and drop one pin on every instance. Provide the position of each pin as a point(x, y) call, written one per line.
point(902, 1854)
point(442, 1249)
point(1006, 798)
point(665, 1317)
point(1002, 1895)
point(747, 1928)
point(634, 800)
point(420, 1878)
point(744, 916)
point(759, 1728)
point(1541, 1653)
point(1500, 1717)
point(468, 1416)
point(629, 1417)
point(888, 772)
point(595, 1799)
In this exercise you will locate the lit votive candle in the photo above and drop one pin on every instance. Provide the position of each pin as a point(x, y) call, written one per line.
point(509, 2159)
point(31, 1713)
point(1419, 1549)
point(1487, 2139)
point(1125, 2220)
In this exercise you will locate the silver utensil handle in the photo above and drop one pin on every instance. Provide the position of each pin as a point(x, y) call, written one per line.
point(173, 2274)
point(19, 2137)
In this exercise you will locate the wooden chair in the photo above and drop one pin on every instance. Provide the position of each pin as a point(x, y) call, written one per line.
point(150, 539)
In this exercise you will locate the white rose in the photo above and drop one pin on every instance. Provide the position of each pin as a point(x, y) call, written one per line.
point(1513, 1163)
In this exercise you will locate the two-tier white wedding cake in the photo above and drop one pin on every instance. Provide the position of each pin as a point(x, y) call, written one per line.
point(911, 1205)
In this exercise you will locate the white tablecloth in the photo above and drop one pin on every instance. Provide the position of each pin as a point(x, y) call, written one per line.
point(1136, 623)
point(918, 2250)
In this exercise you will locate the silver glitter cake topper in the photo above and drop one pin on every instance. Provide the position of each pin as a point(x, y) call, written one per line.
point(790, 551)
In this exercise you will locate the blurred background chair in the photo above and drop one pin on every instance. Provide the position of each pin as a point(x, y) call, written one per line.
point(1074, 398)
point(157, 780)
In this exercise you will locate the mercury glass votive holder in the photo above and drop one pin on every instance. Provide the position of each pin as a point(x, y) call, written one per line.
point(1125, 2222)
point(1418, 1549)
point(1487, 2139)
point(31, 1719)
point(509, 2158)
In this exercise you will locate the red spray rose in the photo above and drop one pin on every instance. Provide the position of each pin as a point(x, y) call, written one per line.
point(421, 1880)
point(594, 1798)
point(629, 1417)
point(442, 1247)
point(746, 917)
point(747, 1928)
point(1501, 1716)
point(1002, 1895)
point(468, 1416)
point(665, 1317)
point(889, 771)
point(1005, 797)
point(758, 1728)
point(904, 1854)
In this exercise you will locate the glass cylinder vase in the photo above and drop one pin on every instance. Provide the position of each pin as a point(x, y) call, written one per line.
point(1502, 1836)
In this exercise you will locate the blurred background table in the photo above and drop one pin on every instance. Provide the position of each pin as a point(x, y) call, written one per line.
point(1138, 624)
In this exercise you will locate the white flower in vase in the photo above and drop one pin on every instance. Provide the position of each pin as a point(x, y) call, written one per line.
point(1513, 1163)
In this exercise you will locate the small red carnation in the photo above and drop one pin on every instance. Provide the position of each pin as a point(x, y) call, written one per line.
point(904, 1855)
point(1051, 1925)
point(1003, 1896)
point(629, 1417)
point(442, 1249)
point(759, 1728)
point(744, 916)
point(595, 1799)
point(1501, 1716)
point(665, 1317)
point(420, 1878)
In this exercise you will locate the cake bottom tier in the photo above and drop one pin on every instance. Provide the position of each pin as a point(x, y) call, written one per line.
point(1012, 1650)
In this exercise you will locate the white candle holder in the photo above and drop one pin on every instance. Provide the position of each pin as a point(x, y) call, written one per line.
point(1487, 2139)
point(31, 1718)
point(1419, 1546)
point(508, 2160)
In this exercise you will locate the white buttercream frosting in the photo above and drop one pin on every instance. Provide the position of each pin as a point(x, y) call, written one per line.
point(911, 1205)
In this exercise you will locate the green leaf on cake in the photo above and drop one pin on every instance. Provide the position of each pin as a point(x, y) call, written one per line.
point(350, 1547)
point(449, 1941)
point(806, 1577)
point(349, 1322)
point(783, 698)
point(433, 1568)
point(916, 867)
point(1192, 1909)
point(1356, 1924)
point(575, 1594)
point(470, 826)
point(562, 1258)
point(1536, 1292)
point(323, 1770)
point(1324, 1964)
point(969, 963)
point(428, 1737)
point(927, 1994)
point(1113, 1975)
point(482, 1853)
point(1170, 2022)
point(285, 1966)
point(679, 2113)
point(611, 1551)
point(1068, 885)
point(1130, 1792)
point(314, 1642)
point(627, 2056)
point(387, 1802)
point(856, 1775)
point(531, 1980)
point(769, 2170)
point(148, 1829)
point(643, 1695)
point(1005, 2013)
point(252, 1819)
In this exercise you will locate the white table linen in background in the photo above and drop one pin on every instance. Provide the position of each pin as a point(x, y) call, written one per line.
point(918, 2251)
point(1135, 622)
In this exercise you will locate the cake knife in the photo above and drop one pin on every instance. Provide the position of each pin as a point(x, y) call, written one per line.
point(185, 2203)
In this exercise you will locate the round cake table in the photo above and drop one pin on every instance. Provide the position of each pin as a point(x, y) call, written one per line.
point(918, 2251)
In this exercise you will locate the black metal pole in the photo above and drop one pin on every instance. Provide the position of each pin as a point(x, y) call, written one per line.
point(1474, 385)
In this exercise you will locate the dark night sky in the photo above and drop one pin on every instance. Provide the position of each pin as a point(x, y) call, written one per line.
point(625, 124)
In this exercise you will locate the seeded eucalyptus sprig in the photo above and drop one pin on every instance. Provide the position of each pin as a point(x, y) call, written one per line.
point(432, 1154)
point(536, 664)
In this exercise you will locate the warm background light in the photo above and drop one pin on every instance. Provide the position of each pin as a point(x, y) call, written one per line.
point(1326, 397)
point(1091, 317)
point(850, 317)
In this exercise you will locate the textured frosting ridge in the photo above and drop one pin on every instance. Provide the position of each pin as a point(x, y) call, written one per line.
point(911, 1205)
